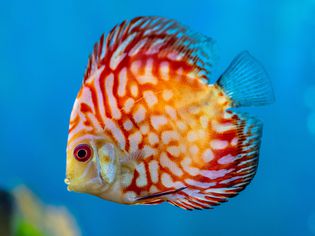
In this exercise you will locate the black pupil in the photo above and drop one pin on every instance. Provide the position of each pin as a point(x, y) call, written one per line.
point(81, 153)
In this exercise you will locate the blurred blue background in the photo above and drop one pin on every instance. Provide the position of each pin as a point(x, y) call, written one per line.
point(44, 46)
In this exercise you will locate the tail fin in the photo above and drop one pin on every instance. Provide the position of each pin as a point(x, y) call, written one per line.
point(246, 82)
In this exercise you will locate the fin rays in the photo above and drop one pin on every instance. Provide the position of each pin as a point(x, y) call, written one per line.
point(246, 82)
point(175, 41)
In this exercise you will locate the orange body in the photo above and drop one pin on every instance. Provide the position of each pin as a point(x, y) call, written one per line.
point(173, 137)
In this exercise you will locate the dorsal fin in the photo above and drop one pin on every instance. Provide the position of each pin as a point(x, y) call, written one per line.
point(94, 59)
point(158, 36)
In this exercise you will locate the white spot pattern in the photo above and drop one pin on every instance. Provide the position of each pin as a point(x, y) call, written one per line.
point(208, 155)
point(128, 105)
point(134, 90)
point(99, 94)
point(126, 178)
point(153, 138)
point(150, 98)
point(158, 120)
point(148, 77)
point(181, 125)
point(110, 96)
point(170, 111)
point(134, 140)
point(204, 121)
point(115, 131)
point(173, 150)
point(186, 164)
point(135, 66)
point(128, 125)
point(226, 159)
point(119, 53)
point(167, 180)
point(137, 47)
point(148, 151)
point(154, 170)
point(141, 181)
point(144, 129)
point(139, 114)
point(200, 184)
point(122, 77)
point(165, 70)
point(214, 174)
point(192, 136)
point(130, 196)
point(168, 163)
point(220, 128)
point(167, 94)
point(234, 141)
point(218, 144)
point(169, 135)
point(194, 149)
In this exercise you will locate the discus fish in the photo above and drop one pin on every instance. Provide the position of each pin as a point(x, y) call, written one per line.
point(148, 127)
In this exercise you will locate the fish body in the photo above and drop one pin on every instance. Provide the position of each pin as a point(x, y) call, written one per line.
point(148, 127)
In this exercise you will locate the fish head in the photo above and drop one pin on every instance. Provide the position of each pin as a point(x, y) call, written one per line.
point(92, 165)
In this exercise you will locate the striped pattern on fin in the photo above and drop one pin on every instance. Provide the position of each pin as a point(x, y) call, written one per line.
point(244, 169)
point(94, 59)
point(246, 82)
point(164, 38)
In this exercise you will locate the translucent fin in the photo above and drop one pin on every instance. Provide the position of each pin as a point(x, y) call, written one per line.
point(153, 36)
point(246, 82)
point(239, 172)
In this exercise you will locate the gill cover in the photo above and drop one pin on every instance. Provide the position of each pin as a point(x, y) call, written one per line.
point(107, 163)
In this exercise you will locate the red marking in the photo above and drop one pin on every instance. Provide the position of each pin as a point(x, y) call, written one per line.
point(85, 108)
point(115, 85)
point(95, 104)
point(125, 133)
point(105, 73)
point(148, 173)
point(88, 123)
point(133, 186)
point(227, 136)
point(74, 123)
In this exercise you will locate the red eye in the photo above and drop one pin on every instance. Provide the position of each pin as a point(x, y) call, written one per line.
point(83, 152)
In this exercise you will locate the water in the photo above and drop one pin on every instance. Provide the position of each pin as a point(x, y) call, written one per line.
point(44, 47)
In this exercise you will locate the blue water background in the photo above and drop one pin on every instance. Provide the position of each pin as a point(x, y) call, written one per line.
point(44, 46)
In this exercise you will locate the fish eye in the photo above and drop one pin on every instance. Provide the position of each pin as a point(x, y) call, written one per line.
point(83, 152)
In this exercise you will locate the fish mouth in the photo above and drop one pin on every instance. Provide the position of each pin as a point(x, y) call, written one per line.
point(90, 181)
point(71, 184)
point(93, 186)
point(67, 182)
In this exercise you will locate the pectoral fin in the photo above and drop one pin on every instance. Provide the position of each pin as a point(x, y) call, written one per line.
point(157, 196)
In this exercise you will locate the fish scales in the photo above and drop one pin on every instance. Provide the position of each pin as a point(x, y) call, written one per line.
point(157, 129)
